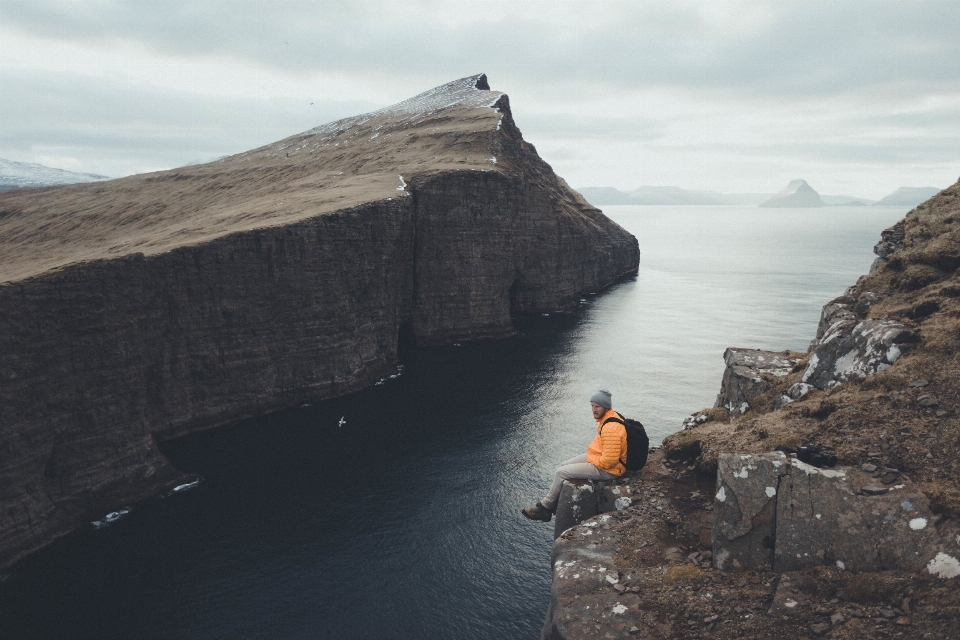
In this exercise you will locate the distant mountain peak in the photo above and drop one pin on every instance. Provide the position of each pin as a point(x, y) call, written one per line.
point(796, 194)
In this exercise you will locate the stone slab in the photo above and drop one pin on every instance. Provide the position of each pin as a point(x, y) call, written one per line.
point(745, 508)
point(825, 517)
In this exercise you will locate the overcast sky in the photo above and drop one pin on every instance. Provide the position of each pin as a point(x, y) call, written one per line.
point(856, 97)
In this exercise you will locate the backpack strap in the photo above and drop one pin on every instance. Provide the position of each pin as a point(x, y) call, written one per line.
point(618, 420)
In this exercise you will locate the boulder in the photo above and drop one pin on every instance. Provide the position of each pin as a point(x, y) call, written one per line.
point(827, 516)
point(852, 348)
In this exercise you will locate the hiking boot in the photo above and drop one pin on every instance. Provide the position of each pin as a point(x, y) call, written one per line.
point(538, 512)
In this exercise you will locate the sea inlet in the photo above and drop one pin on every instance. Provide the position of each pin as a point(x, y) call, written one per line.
point(395, 512)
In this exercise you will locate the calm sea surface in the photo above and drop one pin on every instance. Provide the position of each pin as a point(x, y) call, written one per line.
point(404, 522)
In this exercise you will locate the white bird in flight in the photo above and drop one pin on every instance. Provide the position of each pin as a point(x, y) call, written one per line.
point(343, 420)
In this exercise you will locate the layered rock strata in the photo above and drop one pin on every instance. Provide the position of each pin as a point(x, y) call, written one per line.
point(152, 306)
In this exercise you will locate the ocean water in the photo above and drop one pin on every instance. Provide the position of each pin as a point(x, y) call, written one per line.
point(394, 512)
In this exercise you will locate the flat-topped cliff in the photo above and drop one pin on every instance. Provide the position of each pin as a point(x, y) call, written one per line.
point(148, 307)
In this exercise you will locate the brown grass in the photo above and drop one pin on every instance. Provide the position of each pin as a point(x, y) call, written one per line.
point(684, 574)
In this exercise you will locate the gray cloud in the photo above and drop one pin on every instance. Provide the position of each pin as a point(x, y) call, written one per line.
point(856, 81)
point(802, 47)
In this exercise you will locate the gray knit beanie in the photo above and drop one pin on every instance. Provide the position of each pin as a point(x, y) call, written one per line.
point(602, 398)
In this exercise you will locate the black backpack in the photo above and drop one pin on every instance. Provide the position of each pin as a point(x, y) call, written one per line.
point(638, 444)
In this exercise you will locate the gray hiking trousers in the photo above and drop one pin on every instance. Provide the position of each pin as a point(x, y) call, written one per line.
point(573, 469)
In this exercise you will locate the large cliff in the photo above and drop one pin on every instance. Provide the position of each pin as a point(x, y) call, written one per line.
point(145, 308)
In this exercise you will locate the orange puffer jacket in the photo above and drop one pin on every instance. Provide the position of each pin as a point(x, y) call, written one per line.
point(608, 451)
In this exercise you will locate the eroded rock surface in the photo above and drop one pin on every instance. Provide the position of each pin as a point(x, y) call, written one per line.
point(775, 512)
point(854, 348)
point(749, 373)
point(662, 584)
point(580, 500)
point(583, 570)
point(745, 510)
point(152, 306)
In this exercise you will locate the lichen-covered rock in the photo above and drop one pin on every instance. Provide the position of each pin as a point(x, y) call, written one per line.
point(745, 509)
point(749, 373)
point(152, 306)
point(774, 512)
point(581, 605)
point(825, 516)
point(580, 500)
point(854, 349)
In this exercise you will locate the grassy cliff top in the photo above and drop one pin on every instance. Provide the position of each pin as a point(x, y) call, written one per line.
point(459, 126)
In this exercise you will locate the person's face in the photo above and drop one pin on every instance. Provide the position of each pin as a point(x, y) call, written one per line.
point(598, 411)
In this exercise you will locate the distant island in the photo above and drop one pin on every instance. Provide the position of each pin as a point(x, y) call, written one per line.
point(796, 194)
point(796, 191)
point(908, 196)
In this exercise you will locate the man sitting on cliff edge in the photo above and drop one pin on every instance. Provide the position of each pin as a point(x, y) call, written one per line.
point(605, 458)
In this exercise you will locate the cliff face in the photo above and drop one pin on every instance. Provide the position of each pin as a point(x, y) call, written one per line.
point(148, 307)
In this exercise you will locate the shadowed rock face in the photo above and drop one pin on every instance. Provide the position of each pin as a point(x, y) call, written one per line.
point(152, 306)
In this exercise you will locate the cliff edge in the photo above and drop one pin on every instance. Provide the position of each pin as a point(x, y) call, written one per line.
point(145, 308)
point(727, 536)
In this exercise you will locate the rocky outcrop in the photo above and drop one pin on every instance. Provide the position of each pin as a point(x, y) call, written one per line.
point(580, 500)
point(850, 345)
point(890, 241)
point(145, 308)
point(584, 570)
point(796, 194)
point(869, 549)
point(775, 512)
point(750, 373)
